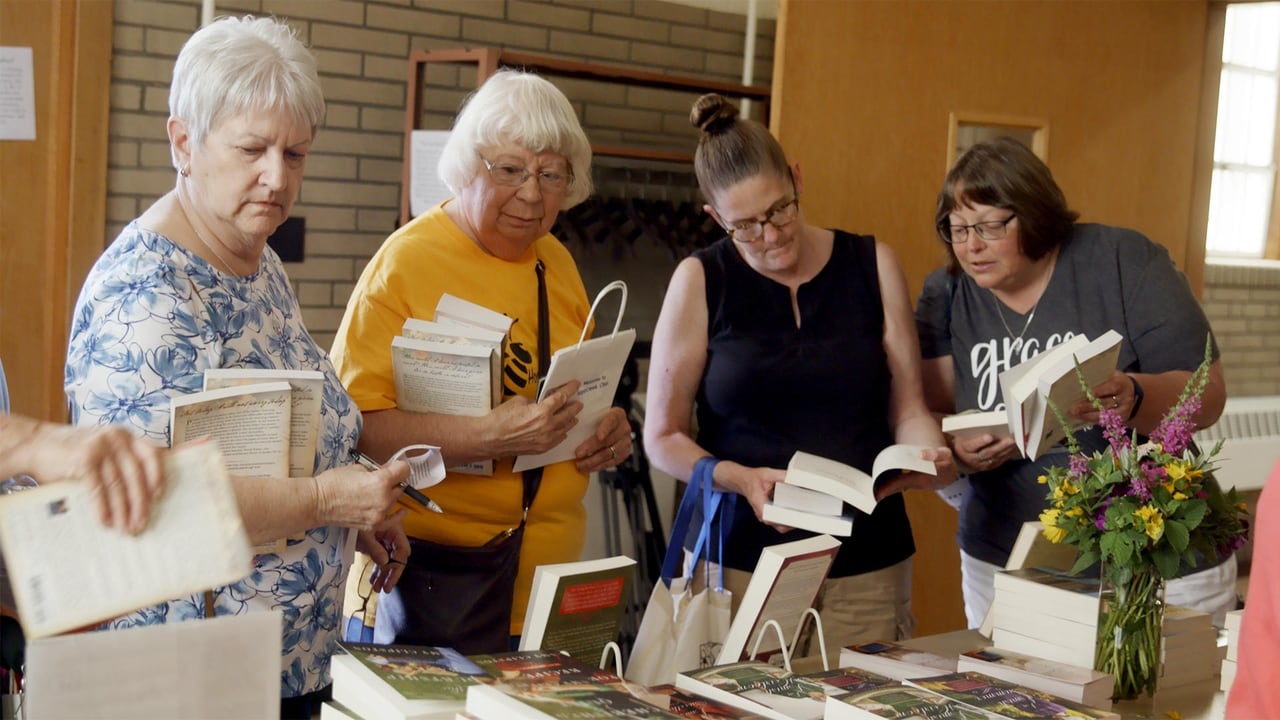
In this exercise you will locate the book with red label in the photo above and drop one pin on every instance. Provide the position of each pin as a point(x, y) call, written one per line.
point(578, 607)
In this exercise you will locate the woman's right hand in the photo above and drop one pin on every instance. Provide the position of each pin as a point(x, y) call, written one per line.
point(354, 497)
point(985, 452)
point(753, 483)
point(521, 427)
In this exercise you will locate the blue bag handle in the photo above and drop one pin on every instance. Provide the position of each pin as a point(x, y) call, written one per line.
point(700, 484)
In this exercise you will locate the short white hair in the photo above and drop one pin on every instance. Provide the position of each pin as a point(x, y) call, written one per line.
point(243, 65)
point(519, 107)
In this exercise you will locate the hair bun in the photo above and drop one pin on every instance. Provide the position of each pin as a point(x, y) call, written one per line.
point(713, 113)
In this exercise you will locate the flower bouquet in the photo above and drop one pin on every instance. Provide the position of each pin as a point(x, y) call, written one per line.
point(1145, 511)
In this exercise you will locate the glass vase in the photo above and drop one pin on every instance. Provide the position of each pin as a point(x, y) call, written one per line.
point(1130, 618)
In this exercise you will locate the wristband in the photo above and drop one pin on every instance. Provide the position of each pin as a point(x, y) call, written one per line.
point(1137, 397)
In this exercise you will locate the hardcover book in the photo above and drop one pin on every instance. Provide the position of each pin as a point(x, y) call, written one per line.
point(407, 682)
point(784, 585)
point(578, 607)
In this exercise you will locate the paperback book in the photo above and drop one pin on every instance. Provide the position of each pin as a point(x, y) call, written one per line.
point(578, 607)
point(785, 584)
point(897, 701)
point(586, 701)
point(1078, 684)
point(1005, 699)
point(856, 487)
point(758, 687)
point(406, 682)
point(895, 661)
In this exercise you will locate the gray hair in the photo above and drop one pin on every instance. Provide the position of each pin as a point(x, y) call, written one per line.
point(238, 65)
point(520, 107)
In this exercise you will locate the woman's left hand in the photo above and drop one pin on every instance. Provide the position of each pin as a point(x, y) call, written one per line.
point(388, 546)
point(1114, 393)
point(609, 446)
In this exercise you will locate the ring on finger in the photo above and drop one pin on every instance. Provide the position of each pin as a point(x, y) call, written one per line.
point(613, 454)
point(982, 457)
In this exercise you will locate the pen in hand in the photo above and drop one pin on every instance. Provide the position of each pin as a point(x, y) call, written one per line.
point(414, 493)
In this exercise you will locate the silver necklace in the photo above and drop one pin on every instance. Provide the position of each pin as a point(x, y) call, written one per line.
point(1000, 314)
point(211, 248)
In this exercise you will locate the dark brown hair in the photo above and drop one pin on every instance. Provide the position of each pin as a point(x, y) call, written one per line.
point(731, 149)
point(1004, 173)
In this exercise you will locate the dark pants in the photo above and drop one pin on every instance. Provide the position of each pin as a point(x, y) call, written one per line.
point(304, 707)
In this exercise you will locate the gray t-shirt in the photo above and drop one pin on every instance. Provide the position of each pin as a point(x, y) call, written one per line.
point(1105, 278)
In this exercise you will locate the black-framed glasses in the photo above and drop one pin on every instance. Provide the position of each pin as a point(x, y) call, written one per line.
point(749, 231)
point(511, 175)
point(987, 230)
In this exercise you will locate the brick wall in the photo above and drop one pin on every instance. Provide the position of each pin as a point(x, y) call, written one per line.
point(1242, 300)
point(350, 196)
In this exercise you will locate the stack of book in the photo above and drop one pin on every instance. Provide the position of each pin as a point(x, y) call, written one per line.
point(1078, 684)
point(1231, 628)
point(1005, 699)
point(401, 682)
point(542, 685)
point(813, 494)
point(769, 691)
point(1045, 614)
point(895, 661)
point(1188, 647)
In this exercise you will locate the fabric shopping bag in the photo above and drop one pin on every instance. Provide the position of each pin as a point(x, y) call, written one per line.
point(684, 626)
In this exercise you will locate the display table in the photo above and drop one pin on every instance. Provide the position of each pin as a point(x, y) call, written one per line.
point(1197, 701)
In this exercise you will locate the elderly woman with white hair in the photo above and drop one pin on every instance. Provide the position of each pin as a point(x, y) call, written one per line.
point(191, 285)
point(516, 156)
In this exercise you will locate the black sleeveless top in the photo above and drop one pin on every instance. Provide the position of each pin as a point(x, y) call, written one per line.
point(770, 389)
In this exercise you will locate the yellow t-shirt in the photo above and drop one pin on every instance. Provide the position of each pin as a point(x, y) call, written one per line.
point(406, 277)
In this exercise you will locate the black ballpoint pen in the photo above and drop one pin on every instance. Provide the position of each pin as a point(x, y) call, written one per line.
point(370, 464)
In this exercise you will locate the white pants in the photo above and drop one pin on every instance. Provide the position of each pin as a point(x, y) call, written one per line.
point(1212, 590)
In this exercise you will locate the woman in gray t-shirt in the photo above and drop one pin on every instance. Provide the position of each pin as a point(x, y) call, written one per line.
point(1023, 276)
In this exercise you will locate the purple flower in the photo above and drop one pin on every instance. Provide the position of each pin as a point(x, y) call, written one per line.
point(1174, 431)
point(1114, 429)
point(1078, 465)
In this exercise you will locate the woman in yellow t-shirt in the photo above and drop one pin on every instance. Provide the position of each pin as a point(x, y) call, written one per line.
point(516, 156)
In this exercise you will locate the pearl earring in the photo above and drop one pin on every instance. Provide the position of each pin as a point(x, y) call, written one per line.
point(185, 171)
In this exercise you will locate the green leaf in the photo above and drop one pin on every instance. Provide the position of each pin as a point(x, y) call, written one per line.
point(1085, 559)
point(1166, 561)
point(1178, 534)
point(1192, 513)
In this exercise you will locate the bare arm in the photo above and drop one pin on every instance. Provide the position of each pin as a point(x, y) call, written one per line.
point(909, 417)
point(349, 496)
point(677, 360)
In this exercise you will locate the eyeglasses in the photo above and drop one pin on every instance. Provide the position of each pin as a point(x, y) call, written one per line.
point(780, 216)
point(987, 230)
point(511, 175)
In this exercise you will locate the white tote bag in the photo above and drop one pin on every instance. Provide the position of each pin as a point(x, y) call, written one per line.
point(684, 626)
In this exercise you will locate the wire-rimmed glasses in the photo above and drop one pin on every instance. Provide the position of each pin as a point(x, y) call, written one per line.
point(511, 175)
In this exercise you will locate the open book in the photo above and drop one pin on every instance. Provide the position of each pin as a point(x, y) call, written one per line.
point(851, 485)
point(1050, 377)
point(306, 395)
point(783, 586)
point(452, 365)
point(597, 364)
point(578, 607)
point(69, 571)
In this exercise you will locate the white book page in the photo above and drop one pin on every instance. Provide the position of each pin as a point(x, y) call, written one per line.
point(451, 309)
point(250, 423)
point(441, 377)
point(597, 364)
point(306, 396)
point(68, 571)
point(225, 667)
point(426, 189)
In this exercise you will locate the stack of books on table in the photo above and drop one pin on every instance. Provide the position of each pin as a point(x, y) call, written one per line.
point(1231, 628)
point(1005, 699)
point(1188, 647)
point(1046, 614)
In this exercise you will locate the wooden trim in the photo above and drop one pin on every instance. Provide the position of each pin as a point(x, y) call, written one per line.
point(1193, 259)
point(489, 60)
point(53, 195)
point(1038, 126)
point(1271, 250)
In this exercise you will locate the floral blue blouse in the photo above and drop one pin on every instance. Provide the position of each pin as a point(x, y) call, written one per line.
point(151, 318)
